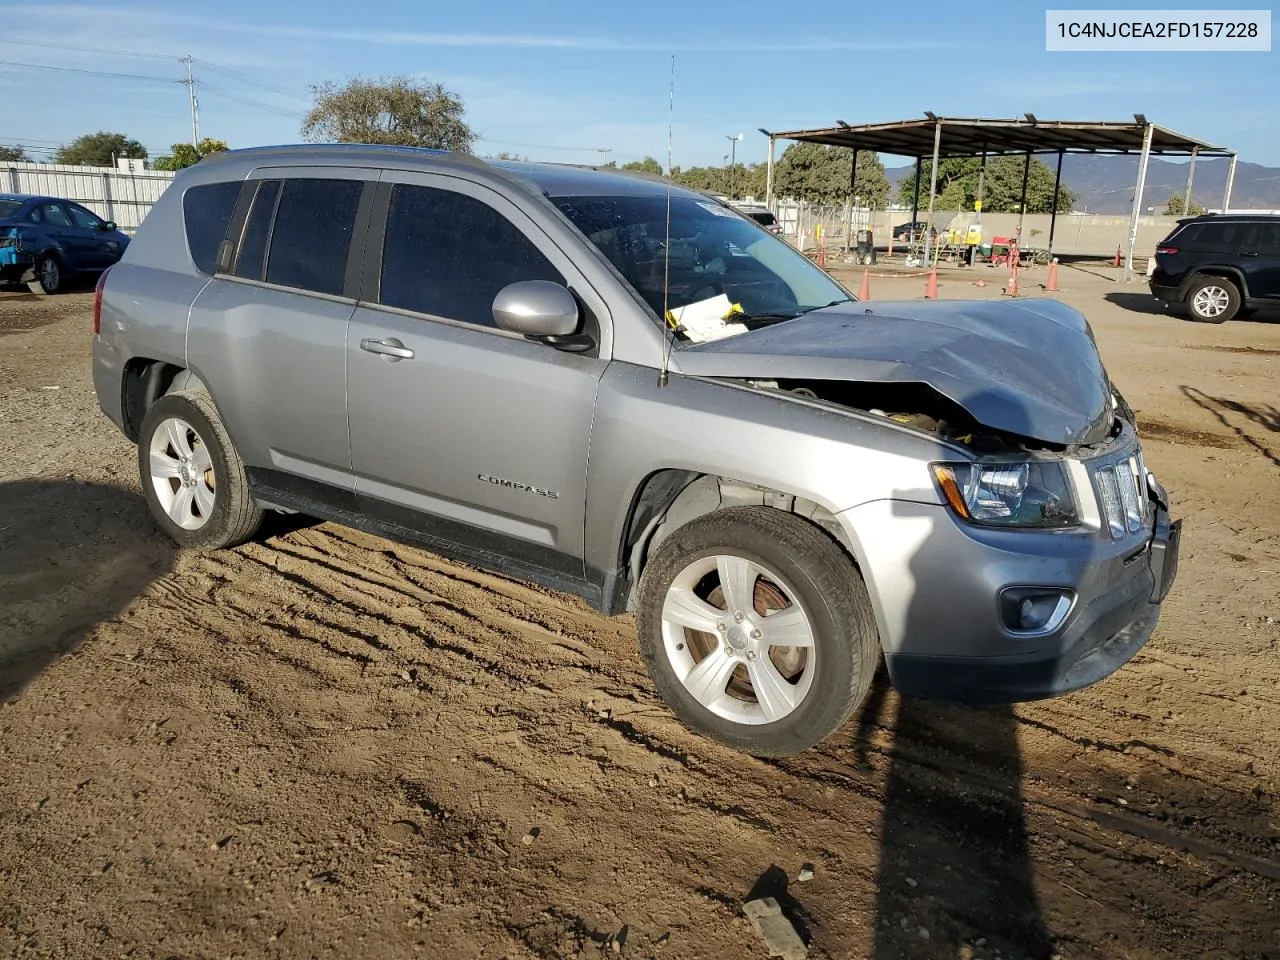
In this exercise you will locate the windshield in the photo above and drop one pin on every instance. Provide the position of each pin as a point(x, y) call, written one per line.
point(8, 208)
point(723, 266)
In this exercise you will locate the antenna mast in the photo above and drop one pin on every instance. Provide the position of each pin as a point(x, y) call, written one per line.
point(190, 84)
point(669, 335)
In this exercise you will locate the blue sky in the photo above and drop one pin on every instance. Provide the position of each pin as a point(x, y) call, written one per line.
point(564, 81)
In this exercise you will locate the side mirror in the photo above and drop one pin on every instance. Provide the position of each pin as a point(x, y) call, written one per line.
point(109, 226)
point(543, 311)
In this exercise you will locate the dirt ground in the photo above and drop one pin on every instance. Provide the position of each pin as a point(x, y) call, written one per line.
point(324, 744)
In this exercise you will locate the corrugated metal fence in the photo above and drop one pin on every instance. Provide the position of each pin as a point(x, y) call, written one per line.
point(111, 194)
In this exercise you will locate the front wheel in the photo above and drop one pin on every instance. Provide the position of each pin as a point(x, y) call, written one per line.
point(757, 630)
point(192, 478)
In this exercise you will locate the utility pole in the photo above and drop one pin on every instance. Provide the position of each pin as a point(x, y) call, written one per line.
point(190, 84)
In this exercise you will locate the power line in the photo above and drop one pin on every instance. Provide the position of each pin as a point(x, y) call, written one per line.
point(84, 49)
point(91, 73)
point(247, 79)
point(257, 104)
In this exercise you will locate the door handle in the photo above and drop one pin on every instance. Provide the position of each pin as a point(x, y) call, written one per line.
point(1248, 253)
point(390, 349)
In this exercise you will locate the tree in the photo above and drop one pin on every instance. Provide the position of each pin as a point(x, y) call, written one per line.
point(506, 155)
point(820, 174)
point(647, 165)
point(15, 154)
point(393, 110)
point(100, 149)
point(957, 187)
point(1177, 207)
point(185, 155)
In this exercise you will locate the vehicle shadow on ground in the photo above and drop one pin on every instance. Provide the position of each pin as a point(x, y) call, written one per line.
point(72, 555)
point(1264, 415)
point(955, 876)
point(1142, 303)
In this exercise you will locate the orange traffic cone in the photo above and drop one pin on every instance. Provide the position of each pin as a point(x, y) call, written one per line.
point(864, 289)
point(931, 288)
point(1051, 285)
point(1116, 262)
point(822, 256)
point(1012, 289)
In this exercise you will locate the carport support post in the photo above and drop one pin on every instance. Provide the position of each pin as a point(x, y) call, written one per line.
point(915, 199)
point(1143, 160)
point(768, 176)
point(853, 191)
point(933, 186)
point(1022, 204)
point(1191, 179)
point(1231, 180)
point(1053, 211)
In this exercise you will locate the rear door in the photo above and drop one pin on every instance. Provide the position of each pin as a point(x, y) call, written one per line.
point(60, 229)
point(1260, 260)
point(472, 436)
point(268, 333)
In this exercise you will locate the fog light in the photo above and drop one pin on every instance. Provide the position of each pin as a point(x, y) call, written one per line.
point(1034, 610)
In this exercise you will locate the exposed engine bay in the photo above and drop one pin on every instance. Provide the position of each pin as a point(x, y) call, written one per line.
point(919, 406)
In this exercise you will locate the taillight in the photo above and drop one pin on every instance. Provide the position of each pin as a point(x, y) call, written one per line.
point(97, 302)
point(1169, 250)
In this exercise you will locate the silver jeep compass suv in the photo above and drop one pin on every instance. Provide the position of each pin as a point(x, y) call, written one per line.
point(628, 391)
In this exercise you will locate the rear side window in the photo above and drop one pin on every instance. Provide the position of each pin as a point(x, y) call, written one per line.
point(1187, 238)
point(206, 210)
point(311, 239)
point(448, 255)
point(257, 230)
point(1223, 237)
point(1267, 239)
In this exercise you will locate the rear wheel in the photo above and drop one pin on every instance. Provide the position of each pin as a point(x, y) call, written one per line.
point(1213, 300)
point(192, 478)
point(48, 276)
point(757, 630)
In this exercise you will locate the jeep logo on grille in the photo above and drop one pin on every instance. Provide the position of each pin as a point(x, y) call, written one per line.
point(517, 485)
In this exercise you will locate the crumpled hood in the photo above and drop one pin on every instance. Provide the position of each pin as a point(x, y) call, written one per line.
point(1028, 367)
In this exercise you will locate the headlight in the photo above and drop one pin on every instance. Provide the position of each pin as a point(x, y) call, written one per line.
point(1032, 494)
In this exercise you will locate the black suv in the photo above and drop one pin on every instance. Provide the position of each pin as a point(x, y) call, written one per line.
point(1220, 266)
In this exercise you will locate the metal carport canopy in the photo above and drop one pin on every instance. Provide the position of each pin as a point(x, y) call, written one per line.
point(950, 137)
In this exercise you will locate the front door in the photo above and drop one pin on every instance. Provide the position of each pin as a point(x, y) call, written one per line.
point(1260, 260)
point(99, 246)
point(471, 436)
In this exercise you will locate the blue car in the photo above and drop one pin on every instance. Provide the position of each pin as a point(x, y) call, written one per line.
point(44, 241)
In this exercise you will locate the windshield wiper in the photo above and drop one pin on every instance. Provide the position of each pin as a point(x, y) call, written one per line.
point(833, 303)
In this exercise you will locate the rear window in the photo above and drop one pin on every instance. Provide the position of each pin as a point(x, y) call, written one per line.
point(9, 208)
point(312, 235)
point(206, 210)
point(1225, 237)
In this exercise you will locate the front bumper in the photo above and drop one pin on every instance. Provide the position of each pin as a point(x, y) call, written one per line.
point(943, 640)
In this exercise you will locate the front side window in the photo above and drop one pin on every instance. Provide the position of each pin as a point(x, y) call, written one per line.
point(311, 239)
point(714, 255)
point(83, 218)
point(447, 254)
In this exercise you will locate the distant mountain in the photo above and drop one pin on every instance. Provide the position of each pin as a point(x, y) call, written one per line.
point(1105, 184)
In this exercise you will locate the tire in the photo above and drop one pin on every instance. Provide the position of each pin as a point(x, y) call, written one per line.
point(182, 446)
point(1212, 300)
point(789, 562)
point(49, 276)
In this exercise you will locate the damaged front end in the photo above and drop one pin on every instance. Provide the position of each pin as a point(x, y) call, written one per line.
point(1012, 374)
